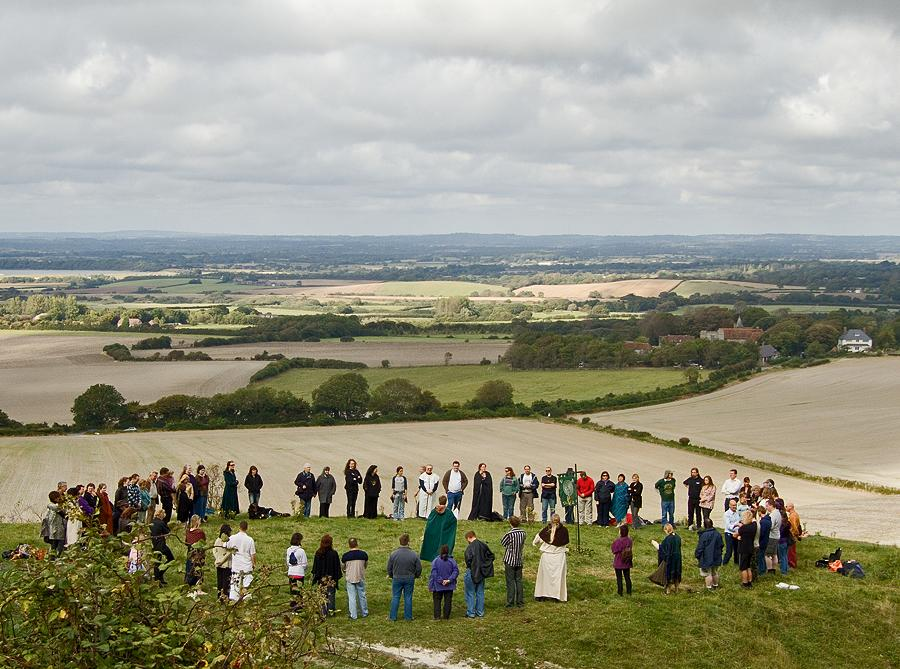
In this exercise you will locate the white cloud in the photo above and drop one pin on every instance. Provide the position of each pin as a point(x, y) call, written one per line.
point(405, 117)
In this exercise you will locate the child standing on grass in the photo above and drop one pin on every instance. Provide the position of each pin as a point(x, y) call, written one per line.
point(296, 563)
point(222, 558)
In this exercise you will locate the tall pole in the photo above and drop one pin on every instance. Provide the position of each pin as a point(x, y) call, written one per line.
point(577, 524)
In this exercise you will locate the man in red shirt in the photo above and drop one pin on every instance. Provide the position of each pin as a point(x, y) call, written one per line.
point(584, 486)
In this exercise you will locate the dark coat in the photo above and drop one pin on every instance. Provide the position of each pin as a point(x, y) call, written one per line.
point(603, 491)
point(709, 549)
point(670, 551)
point(325, 487)
point(253, 483)
point(352, 480)
point(306, 485)
point(327, 565)
point(479, 560)
point(482, 497)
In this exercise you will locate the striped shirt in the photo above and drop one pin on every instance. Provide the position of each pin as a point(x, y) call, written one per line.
point(514, 543)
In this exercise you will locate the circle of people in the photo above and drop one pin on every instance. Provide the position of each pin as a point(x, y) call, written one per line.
point(760, 530)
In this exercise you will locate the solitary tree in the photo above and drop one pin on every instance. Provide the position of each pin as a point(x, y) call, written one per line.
point(402, 397)
point(493, 394)
point(343, 396)
point(101, 405)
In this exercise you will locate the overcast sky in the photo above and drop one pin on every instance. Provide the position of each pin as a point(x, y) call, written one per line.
point(623, 117)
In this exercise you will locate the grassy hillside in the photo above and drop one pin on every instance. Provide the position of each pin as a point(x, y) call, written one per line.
point(831, 621)
point(458, 383)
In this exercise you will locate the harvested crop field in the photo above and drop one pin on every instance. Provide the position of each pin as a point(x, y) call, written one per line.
point(841, 419)
point(430, 289)
point(30, 466)
point(608, 289)
point(40, 375)
point(411, 353)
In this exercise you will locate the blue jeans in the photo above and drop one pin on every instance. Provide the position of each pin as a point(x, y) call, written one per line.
point(474, 596)
point(200, 507)
point(782, 557)
point(307, 507)
point(399, 506)
point(354, 591)
point(509, 505)
point(761, 567)
point(254, 497)
point(547, 503)
point(402, 584)
point(454, 500)
point(668, 512)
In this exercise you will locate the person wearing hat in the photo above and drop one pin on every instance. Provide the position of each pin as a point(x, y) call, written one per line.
point(666, 487)
point(306, 488)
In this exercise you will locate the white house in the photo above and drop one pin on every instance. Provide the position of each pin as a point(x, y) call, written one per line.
point(855, 341)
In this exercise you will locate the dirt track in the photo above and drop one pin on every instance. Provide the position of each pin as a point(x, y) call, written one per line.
point(400, 353)
point(582, 291)
point(31, 466)
point(841, 419)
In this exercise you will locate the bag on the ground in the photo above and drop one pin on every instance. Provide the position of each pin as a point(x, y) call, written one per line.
point(853, 569)
point(659, 576)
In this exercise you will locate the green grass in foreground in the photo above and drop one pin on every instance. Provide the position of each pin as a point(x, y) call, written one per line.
point(458, 383)
point(831, 621)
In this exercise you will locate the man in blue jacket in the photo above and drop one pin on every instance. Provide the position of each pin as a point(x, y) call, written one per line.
point(709, 554)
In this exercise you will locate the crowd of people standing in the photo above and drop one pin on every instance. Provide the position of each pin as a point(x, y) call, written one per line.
point(759, 530)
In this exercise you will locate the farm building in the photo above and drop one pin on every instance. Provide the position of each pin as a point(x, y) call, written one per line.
point(638, 347)
point(737, 333)
point(855, 341)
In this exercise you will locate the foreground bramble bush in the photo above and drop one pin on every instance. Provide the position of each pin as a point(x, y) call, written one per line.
point(85, 610)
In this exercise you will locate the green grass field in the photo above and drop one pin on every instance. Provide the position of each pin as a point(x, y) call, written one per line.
point(831, 621)
point(458, 383)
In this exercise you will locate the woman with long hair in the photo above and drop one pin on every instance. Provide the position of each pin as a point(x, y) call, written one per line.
point(185, 492)
point(230, 506)
point(201, 492)
point(327, 572)
point(106, 510)
point(253, 483)
point(371, 490)
point(707, 497)
point(352, 481)
point(482, 494)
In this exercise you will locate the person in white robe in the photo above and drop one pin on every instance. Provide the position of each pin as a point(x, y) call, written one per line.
point(428, 485)
point(553, 542)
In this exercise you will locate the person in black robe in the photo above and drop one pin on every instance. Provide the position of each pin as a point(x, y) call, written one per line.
point(371, 490)
point(352, 481)
point(482, 495)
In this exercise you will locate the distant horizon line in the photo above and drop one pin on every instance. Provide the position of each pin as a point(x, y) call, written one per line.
point(167, 233)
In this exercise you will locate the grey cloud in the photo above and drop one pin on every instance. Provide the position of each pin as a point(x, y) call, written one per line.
point(405, 117)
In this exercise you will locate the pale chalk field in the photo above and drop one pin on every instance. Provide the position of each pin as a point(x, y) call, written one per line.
point(42, 374)
point(841, 419)
point(31, 466)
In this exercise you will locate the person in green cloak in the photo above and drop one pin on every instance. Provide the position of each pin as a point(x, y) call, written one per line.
point(440, 528)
